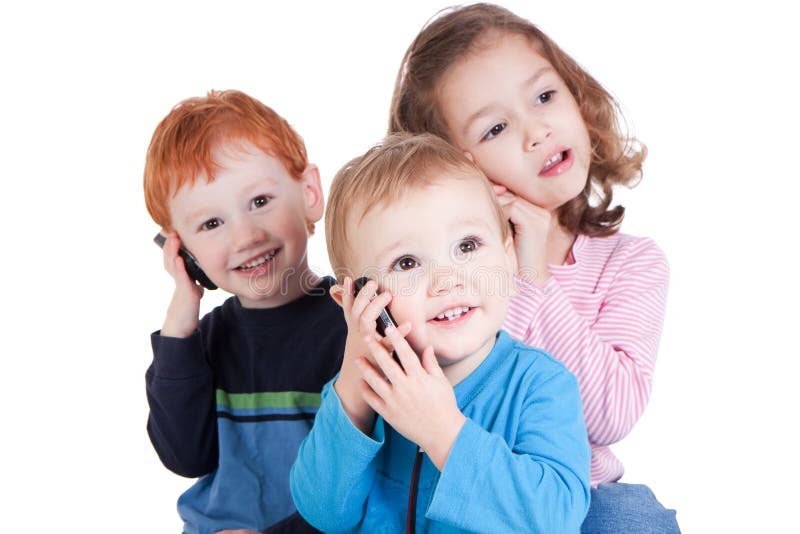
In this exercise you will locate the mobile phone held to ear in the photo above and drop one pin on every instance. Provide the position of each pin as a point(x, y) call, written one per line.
point(385, 319)
point(192, 267)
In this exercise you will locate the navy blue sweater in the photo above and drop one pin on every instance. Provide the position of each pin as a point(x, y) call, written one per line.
point(232, 402)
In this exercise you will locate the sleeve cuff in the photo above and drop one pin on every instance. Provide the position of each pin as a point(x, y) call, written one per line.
point(332, 415)
point(178, 358)
point(456, 485)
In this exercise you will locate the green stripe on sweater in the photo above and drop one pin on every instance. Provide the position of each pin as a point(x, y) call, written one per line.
point(267, 399)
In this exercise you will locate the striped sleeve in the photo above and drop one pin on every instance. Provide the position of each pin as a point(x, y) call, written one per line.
point(602, 318)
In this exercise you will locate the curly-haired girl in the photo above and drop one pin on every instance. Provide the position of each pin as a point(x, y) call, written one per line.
point(547, 134)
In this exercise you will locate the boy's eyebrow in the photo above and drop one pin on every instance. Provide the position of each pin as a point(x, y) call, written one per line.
point(385, 250)
point(482, 111)
point(471, 221)
point(195, 214)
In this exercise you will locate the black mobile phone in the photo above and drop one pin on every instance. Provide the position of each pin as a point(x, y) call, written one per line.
point(385, 319)
point(192, 267)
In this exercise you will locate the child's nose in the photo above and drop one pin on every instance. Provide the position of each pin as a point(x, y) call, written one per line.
point(537, 130)
point(247, 235)
point(444, 279)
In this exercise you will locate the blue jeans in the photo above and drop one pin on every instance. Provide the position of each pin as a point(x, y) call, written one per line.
point(627, 508)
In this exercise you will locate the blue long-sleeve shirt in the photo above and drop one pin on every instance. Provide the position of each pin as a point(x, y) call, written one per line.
point(519, 464)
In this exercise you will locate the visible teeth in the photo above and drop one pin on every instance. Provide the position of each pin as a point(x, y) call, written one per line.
point(555, 158)
point(258, 261)
point(454, 313)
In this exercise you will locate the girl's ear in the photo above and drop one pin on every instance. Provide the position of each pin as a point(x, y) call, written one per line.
point(312, 190)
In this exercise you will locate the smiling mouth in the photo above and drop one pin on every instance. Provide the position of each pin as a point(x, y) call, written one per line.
point(257, 262)
point(452, 314)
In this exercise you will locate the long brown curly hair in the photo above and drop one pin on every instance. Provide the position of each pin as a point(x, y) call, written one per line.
point(456, 32)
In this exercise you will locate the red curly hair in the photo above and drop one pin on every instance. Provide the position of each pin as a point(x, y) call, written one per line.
point(183, 144)
point(459, 31)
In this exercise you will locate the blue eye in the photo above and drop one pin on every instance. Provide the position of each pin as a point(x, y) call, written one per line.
point(545, 97)
point(494, 131)
point(406, 263)
point(210, 224)
point(259, 202)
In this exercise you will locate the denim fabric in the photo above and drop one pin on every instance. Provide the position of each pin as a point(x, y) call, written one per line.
point(627, 508)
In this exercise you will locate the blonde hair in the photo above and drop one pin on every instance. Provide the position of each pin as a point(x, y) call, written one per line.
point(459, 31)
point(388, 171)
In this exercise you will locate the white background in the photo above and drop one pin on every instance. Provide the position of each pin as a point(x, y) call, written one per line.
point(710, 88)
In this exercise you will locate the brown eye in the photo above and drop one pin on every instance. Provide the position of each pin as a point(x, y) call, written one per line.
point(260, 201)
point(494, 131)
point(468, 245)
point(545, 97)
point(210, 224)
point(406, 263)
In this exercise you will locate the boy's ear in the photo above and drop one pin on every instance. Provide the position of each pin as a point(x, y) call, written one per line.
point(312, 191)
point(337, 293)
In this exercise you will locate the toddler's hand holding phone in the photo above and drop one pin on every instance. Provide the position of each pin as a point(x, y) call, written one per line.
point(184, 309)
point(414, 395)
point(361, 311)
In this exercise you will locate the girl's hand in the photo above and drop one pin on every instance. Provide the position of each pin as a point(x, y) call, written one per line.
point(360, 315)
point(184, 309)
point(415, 398)
point(532, 226)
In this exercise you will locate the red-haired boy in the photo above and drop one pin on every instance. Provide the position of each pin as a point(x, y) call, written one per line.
point(233, 394)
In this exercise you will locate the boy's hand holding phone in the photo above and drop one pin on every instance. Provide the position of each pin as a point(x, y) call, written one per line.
point(414, 395)
point(361, 312)
point(184, 309)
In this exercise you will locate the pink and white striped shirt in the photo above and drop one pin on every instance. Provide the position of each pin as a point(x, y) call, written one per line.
point(602, 317)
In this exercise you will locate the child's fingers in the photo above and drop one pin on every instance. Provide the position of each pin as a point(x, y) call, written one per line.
point(179, 270)
point(385, 362)
point(408, 358)
point(182, 278)
point(374, 380)
point(373, 310)
point(361, 299)
point(506, 201)
point(499, 189)
point(174, 264)
point(430, 363)
point(372, 399)
point(170, 252)
point(404, 330)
